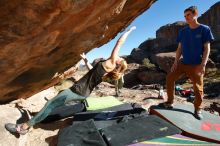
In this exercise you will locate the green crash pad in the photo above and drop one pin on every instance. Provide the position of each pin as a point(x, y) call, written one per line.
point(96, 103)
point(207, 129)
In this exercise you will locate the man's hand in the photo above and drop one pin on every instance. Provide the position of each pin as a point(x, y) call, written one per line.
point(200, 70)
point(174, 66)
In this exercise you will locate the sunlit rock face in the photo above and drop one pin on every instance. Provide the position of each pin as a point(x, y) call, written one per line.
point(165, 41)
point(40, 39)
point(212, 19)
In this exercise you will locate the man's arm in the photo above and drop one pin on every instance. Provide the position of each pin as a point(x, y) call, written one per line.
point(88, 65)
point(206, 53)
point(177, 58)
point(201, 68)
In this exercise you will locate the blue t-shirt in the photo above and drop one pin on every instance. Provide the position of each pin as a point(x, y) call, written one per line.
point(192, 42)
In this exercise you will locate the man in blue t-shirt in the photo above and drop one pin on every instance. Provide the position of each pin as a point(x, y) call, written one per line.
point(194, 46)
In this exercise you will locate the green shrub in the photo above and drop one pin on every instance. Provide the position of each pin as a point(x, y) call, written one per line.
point(146, 63)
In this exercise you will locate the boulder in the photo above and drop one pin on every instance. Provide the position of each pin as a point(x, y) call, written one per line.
point(139, 55)
point(211, 18)
point(130, 77)
point(151, 77)
point(41, 39)
point(165, 61)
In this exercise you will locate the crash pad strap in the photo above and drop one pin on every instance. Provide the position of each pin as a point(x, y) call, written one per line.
point(109, 113)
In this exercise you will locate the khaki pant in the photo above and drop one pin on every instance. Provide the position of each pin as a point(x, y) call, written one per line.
point(189, 71)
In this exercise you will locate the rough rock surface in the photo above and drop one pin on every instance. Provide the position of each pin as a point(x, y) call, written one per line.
point(211, 18)
point(151, 77)
point(165, 61)
point(40, 39)
point(165, 41)
point(130, 76)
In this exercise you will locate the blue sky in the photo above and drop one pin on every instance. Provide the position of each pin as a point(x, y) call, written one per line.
point(160, 13)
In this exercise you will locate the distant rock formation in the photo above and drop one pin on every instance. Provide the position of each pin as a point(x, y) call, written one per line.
point(165, 41)
point(40, 39)
point(212, 19)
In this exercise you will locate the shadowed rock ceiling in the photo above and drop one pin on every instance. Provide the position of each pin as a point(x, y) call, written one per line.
point(42, 38)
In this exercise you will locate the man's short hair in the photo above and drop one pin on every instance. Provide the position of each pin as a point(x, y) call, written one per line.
point(193, 9)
